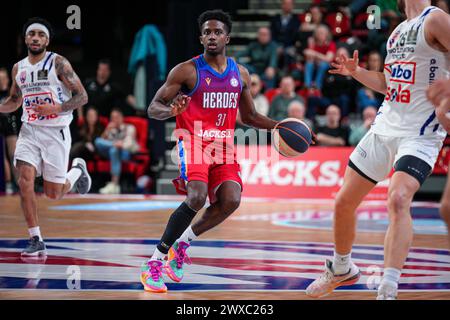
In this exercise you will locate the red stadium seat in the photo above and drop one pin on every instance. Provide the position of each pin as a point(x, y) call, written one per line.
point(339, 24)
point(443, 161)
point(271, 93)
point(139, 162)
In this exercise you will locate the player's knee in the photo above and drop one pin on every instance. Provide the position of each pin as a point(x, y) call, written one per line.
point(398, 202)
point(196, 200)
point(231, 204)
point(53, 194)
point(25, 183)
point(343, 205)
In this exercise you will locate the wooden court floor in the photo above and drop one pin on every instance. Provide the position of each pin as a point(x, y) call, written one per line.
point(268, 249)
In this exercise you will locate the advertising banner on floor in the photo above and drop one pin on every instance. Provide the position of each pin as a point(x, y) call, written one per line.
point(316, 174)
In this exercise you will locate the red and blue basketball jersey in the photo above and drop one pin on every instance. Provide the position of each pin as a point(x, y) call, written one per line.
point(211, 114)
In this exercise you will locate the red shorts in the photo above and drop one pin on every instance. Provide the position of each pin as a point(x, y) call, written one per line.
point(212, 174)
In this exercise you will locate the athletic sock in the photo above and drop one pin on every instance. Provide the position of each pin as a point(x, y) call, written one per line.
point(158, 255)
point(35, 231)
point(73, 175)
point(341, 263)
point(180, 219)
point(188, 235)
point(391, 277)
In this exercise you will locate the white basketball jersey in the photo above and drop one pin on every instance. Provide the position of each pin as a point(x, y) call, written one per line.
point(411, 65)
point(38, 83)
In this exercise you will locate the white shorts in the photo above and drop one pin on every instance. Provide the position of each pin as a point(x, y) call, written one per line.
point(47, 149)
point(375, 155)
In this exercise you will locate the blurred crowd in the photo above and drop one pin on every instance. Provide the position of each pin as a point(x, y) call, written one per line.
point(288, 62)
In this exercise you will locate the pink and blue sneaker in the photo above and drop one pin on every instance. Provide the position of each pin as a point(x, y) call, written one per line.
point(151, 276)
point(176, 259)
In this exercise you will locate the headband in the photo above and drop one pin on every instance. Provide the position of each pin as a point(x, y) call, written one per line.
point(40, 27)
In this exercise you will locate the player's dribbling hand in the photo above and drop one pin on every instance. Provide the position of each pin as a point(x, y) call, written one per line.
point(179, 104)
point(46, 109)
point(345, 66)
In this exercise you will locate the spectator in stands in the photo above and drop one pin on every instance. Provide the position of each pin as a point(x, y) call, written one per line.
point(313, 19)
point(358, 133)
point(333, 133)
point(320, 52)
point(279, 105)
point(284, 29)
point(9, 129)
point(105, 94)
point(259, 99)
point(117, 143)
point(297, 110)
point(337, 89)
point(367, 97)
point(262, 56)
point(90, 130)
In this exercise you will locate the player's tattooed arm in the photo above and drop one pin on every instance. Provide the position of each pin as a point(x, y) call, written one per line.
point(169, 101)
point(14, 101)
point(70, 79)
point(247, 110)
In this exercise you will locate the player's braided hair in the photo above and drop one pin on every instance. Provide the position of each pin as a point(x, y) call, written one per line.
point(38, 20)
point(219, 15)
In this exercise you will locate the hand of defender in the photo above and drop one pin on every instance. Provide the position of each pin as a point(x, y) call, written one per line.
point(345, 66)
point(179, 104)
point(46, 109)
point(438, 92)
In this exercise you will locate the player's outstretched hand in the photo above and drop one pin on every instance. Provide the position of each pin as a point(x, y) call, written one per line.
point(46, 109)
point(179, 104)
point(439, 91)
point(345, 66)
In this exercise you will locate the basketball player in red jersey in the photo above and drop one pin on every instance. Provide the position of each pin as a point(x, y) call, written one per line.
point(439, 95)
point(204, 94)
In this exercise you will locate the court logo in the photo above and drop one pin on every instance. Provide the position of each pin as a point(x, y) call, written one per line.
point(114, 264)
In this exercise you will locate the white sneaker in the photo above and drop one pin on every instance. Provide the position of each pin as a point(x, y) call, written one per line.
point(9, 188)
point(110, 188)
point(84, 182)
point(328, 281)
point(387, 292)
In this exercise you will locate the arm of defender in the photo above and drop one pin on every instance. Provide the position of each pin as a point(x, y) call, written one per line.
point(14, 101)
point(247, 111)
point(168, 102)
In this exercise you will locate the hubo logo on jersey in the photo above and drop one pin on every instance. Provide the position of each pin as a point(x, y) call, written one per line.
point(217, 265)
point(402, 75)
point(39, 98)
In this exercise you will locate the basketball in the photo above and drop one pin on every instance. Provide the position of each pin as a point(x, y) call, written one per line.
point(291, 137)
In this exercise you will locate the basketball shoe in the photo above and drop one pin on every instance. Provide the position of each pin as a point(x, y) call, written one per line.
point(176, 259)
point(387, 292)
point(328, 281)
point(84, 182)
point(151, 276)
point(35, 247)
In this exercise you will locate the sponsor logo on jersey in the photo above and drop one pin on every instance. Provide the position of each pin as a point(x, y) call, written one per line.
point(208, 81)
point(403, 72)
point(218, 100)
point(398, 94)
point(433, 70)
point(23, 77)
point(39, 98)
point(234, 82)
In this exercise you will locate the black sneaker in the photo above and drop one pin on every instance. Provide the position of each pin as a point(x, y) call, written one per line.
point(34, 248)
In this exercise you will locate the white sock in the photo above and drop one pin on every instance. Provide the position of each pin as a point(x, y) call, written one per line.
point(35, 231)
point(188, 235)
point(158, 255)
point(341, 263)
point(391, 277)
point(73, 175)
